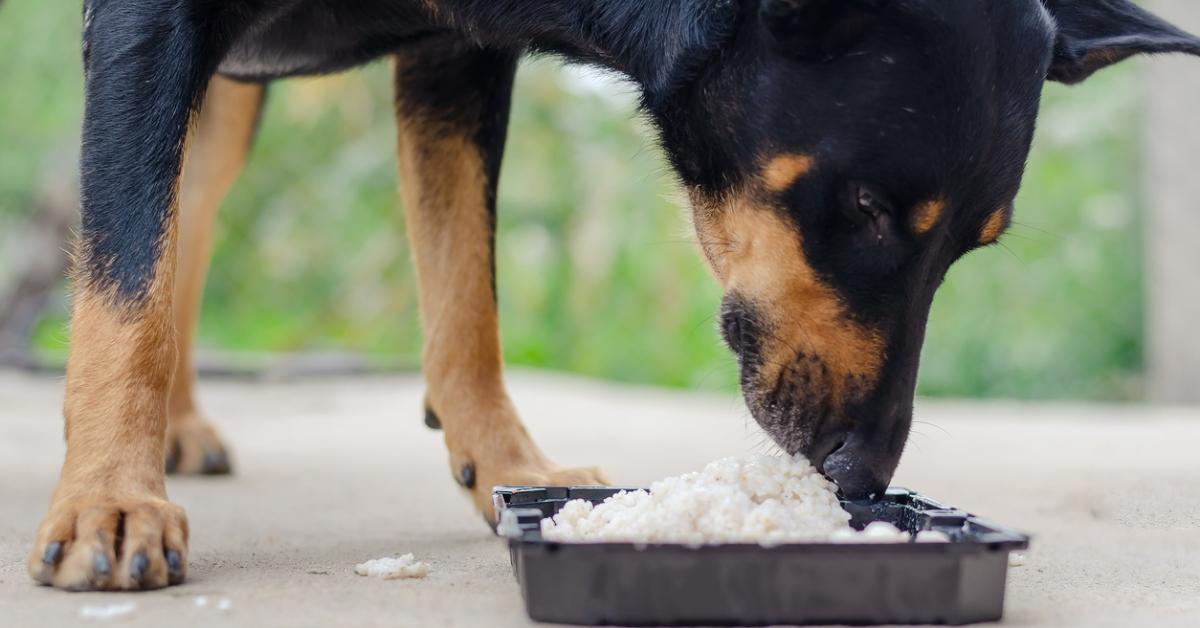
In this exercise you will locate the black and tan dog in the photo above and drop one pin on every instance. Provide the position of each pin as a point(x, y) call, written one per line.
point(839, 154)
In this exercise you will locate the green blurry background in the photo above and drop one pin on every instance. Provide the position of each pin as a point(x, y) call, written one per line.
point(597, 271)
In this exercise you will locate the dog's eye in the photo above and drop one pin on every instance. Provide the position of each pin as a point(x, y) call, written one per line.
point(870, 201)
point(870, 225)
point(865, 205)
point(867, 233)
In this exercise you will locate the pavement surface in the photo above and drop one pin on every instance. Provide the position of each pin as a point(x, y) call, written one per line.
point(332, 472)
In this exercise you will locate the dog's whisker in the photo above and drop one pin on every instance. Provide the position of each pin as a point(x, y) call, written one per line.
point(933, 425)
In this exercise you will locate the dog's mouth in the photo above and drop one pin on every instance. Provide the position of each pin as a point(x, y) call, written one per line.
point(790, 401)
point(851, 457)
point(804, 410)
point(796, 408)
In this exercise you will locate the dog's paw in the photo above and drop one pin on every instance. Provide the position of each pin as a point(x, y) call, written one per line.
point(194, 448)
point(97, 543)
point(489, 446)
point(480, 476)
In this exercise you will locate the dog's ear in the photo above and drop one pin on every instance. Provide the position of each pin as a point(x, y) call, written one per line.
point(1094, 34)
point(819, 28)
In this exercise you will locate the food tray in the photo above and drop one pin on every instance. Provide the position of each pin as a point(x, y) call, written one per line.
point(959, 582)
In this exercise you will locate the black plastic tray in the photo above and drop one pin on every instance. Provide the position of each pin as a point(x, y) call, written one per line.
point(959, 582)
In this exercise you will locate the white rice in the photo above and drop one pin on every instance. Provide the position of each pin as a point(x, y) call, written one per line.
point(107, 611)
point(406, 566)
point(768, 500)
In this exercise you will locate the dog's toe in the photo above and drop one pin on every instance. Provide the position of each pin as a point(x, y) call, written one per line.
point(216, 463)
point(535, 473)
point(194, 448)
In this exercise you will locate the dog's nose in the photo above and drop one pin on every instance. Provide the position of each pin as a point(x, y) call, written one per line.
point(851, 466)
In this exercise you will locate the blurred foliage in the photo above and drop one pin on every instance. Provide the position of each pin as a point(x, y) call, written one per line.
point(597, 271)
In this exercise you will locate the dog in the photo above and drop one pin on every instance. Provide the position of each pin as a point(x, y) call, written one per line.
point(839, 156)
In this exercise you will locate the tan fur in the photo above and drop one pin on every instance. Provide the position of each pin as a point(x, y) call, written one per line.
point(994, 226)
point(927, 215)
point(1101, 56)
point(444, 187)
point(760, 257)
point(218, 150)
point(781, 171)
point(119, 370)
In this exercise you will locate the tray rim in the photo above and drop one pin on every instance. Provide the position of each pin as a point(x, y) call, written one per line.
point(1000, 538)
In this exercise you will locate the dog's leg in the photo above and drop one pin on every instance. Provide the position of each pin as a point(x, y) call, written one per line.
point(110, 525)
point(452, 110)
point(216, 152)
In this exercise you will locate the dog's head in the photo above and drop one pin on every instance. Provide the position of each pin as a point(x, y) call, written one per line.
point(840, 155)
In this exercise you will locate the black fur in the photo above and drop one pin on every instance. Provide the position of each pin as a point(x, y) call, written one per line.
point(743, 329)
point(917, 99)
point(144, 71)
point(1093, 35)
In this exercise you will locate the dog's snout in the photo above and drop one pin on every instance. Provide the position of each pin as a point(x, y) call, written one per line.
point(824, 445)
point(845, 458)
point(854, 466)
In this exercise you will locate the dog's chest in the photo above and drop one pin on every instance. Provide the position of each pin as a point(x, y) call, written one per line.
point(319, 36)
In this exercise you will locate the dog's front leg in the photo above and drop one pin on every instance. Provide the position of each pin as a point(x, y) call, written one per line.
point(110, 525)
point(452, 109)
point(218, 148)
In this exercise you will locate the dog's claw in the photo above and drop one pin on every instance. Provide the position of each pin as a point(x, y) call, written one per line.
point(174, 567)
point(431, 419)
point(53, 554)
point(466, 475)
point(173, 455)
point(100, 564)
point(138, 567)
point(215, 463)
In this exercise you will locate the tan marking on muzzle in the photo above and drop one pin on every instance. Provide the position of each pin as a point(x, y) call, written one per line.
point(781, 171)
point(755, 252)
point(926, 215)
point(995, 225)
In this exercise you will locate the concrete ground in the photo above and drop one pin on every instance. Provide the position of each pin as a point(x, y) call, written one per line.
point(333, 472)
